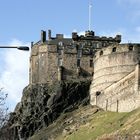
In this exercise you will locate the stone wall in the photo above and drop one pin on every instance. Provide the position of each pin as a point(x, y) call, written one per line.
point(109, 66)
point(116, 80)
point(38, 64)
point(47, 60)
point(117, 96)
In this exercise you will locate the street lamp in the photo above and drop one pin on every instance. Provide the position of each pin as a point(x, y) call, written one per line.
point(24, 48)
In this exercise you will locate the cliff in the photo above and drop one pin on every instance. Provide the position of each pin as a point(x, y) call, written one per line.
point(41, 104)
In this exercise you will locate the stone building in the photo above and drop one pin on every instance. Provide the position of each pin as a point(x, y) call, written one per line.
point(115, 84)
point(112, 67)
point(60, 58)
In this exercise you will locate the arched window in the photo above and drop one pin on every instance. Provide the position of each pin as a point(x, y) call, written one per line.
point(98, 93)
point(114, 49)
point(131, 48)
point(101, 53)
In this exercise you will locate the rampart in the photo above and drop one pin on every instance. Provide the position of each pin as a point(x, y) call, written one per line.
point(115, 84)
point(111, 66)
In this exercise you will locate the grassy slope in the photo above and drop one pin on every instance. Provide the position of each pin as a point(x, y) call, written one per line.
point(90, 126)
point(104, 123)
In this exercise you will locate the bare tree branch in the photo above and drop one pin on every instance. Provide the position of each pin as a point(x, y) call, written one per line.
point(3, 108)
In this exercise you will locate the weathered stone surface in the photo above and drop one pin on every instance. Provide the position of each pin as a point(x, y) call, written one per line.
point(41, 104)
point(116, 80)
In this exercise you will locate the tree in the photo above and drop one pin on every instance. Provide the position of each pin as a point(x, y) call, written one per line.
point(3, 108)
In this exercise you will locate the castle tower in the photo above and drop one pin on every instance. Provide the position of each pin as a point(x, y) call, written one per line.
point(115, 83)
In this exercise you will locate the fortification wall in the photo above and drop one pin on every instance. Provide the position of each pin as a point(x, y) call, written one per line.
point(113, 63)
point(48, 63)
point(87, 65)
point(38, 64)
point(120, 97)
point(111, 97)
point(69, 65)
point(116, 80)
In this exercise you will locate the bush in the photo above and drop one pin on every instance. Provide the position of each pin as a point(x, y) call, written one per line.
point(3, 108)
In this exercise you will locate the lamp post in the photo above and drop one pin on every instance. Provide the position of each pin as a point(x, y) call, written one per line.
point(23, 48)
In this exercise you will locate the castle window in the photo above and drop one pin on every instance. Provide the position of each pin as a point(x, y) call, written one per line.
point(79, 55)
point(101, 53)
point(130, 48)
point(114, 49)
point(60, 62)
point(91, 63)
point(60, 52)
point(78, 62)
point(98, 93)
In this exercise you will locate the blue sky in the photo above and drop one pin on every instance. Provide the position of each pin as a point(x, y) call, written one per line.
point(22, 20)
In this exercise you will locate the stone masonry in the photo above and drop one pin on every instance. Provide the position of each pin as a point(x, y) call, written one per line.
point(115, 84)
point(60, 58)
point(112, 65)
point(61, 71)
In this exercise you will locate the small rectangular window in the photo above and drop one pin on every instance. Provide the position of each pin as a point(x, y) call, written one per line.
point(91, 63)
point(130, 48)
point(78, 62)
point(60, 61)
point(60, 52)
point(79, 55)
point(114, 49)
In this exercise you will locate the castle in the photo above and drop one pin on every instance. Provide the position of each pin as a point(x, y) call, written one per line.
point(113, 67)
point(60, 58)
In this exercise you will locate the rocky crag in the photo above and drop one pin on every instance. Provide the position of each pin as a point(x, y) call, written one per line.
point(41, 104)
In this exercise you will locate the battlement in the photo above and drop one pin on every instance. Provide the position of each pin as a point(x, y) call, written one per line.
point(89, 39)
point(90, 36)
point(60, 58)
point(117, 48)
point(116, 77)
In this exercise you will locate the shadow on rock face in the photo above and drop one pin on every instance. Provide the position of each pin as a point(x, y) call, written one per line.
point(42, 104)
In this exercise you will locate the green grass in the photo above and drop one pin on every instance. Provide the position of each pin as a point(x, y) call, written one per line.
point(97, 125)
point(102, 123)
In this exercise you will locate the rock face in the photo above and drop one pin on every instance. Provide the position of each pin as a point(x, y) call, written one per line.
point(41, 105)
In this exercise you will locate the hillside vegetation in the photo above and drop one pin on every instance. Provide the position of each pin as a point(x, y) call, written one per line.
point(91, 123)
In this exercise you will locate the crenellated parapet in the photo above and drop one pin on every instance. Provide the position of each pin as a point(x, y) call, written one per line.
point(60, 58)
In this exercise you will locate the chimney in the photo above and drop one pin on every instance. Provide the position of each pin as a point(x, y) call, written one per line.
point(49, 34)
point(43, 36)
point(32, 44)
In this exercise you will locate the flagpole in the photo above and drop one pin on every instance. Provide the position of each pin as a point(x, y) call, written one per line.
point(90, 6)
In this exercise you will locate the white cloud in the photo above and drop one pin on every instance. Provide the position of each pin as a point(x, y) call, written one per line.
point(14, 76)
point(79, 33)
